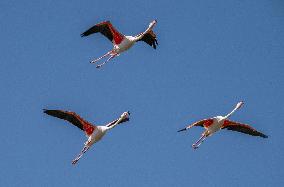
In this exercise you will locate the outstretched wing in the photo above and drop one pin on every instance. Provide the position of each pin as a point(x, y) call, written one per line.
point(198, 123)
point(73, 118)
point(106, 29)
point(243, 128)
point(150, 38)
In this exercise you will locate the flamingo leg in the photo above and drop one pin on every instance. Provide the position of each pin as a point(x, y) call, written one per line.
point(199, 141)
point(111, 57)
point(108, 53)
point(86, 147)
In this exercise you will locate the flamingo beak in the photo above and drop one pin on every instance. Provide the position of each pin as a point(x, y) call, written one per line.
point(125, 115)
point(240, 104)
point(152, 24)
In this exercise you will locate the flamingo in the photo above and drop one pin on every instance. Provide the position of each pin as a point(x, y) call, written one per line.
point(120, 42)
point(217, 123)
point(94, 133)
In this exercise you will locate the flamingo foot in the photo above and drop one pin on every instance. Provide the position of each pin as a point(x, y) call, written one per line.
point(77, 158)
point(108, 53)
point(111, 57)
point(94, 61)
point(74, 161)
point(199, 141)
point(86, 147)
point(194, 146)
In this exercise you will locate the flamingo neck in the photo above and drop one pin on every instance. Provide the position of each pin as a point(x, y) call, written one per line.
point(239, 105)
point(233, 111)
point(139, 36)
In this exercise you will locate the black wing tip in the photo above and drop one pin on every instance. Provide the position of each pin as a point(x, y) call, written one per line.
point(83, 35)
point(181, 130)
point(263, 136)
point(155, 43)
point(48, 112)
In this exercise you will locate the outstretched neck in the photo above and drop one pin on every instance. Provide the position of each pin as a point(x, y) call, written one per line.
point(104, 128)
point(113, 124)
point(150, 27)
point(233, 111)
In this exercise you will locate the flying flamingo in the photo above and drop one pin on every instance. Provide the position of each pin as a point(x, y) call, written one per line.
point(93, 132)
point(217, 123)
point(120, 42)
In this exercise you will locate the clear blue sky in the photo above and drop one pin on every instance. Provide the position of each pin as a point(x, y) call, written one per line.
point(211, 54)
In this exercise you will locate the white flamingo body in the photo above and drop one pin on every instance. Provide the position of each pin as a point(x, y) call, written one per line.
point(97, 135)
point(217, 123)
point(125, 44)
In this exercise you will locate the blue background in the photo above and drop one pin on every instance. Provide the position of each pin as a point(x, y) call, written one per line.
point(212, 54)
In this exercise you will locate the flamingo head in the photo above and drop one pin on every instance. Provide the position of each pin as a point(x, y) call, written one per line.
point(239, 105)
point(125, 115)
point(152, 24)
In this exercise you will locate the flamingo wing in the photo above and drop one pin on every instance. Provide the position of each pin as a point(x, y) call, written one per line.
point(106, 29)
point(150, 38)
point(73, 118)
point(198, 123)
point(243, 128)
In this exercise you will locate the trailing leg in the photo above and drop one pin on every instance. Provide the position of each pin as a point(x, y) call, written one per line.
point(86, 147)
point(111, 57)
point(108, 53)
point(199, 141)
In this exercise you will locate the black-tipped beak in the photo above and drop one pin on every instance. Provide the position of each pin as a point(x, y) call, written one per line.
point(181, 130)
point(128, 113)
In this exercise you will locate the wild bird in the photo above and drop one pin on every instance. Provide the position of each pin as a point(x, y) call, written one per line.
point(94, 133)
point(121, 42)
point(217, 123)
